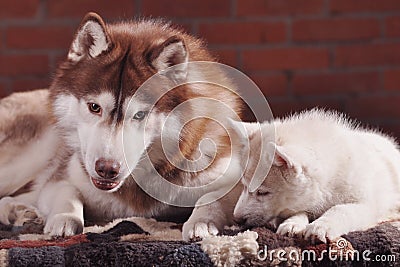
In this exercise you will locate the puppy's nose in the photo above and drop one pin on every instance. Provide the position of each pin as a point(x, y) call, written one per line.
point(107, 169)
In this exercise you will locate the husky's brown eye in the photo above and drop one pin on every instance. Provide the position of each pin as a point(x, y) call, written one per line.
point(139, 115)
point(262, 193)
point(94, 108)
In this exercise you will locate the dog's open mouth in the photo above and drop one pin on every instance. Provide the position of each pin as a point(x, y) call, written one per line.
point(104, 185)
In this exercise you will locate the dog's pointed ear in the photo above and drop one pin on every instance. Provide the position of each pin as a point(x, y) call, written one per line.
point(243, 131)
point(281, 157)
point(169, 53)
point(91, 39)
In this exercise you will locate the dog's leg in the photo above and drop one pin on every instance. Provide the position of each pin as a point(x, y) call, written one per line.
point(340, 220)
point(205, 221)
point(62, 205)
point(293, 225)
point(211, 218)
point(20, 210)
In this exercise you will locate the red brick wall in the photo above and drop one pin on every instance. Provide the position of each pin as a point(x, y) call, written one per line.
point(342, 54)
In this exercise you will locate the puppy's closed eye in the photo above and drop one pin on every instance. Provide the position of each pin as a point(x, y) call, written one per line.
point(260, 192)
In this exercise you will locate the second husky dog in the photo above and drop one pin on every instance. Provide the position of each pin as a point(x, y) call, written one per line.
point(327, 177)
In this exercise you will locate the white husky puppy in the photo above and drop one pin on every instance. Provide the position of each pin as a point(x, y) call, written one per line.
point(328, 176)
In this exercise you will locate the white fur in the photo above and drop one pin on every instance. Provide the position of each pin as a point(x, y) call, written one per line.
point(28, 164)
point(63, 212)
point(340, 177)
point(31, 168)
point(65, 216)
point(81, 126)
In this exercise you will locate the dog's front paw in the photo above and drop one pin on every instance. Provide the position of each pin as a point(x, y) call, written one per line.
point(199, 229)
point(322, 231)
point(63, 224)
point(291, 228)
point(17, 213)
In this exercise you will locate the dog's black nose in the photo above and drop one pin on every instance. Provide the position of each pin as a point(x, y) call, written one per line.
point(107, 169)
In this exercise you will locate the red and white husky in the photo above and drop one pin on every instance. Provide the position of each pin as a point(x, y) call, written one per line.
point(76, 150)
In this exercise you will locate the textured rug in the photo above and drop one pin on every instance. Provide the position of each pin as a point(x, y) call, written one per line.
point(146, 242)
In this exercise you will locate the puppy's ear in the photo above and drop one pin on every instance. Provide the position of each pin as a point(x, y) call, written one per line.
point(282, 158)
point(242, 132)
point(90, 40)
point(171, 52)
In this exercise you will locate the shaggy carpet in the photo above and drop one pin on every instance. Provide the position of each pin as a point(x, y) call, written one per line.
point(146, 242)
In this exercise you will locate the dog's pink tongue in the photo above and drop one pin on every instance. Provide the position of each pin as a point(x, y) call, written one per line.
point(104, 185)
